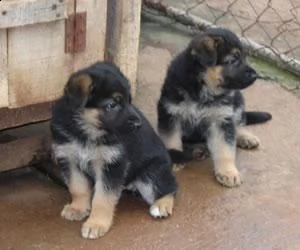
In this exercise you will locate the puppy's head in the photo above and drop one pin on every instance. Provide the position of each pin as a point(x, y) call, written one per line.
point(222, 60)
point(101, 96)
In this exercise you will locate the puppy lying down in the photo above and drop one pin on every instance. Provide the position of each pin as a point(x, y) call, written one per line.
point(103, 145)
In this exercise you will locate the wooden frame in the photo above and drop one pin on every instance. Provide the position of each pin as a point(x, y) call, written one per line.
point(43, 41)
point(20, 13)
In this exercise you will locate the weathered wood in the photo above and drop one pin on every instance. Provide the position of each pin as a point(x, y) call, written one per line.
point(80, 32)
point(20, 13)
point(95, 32)
point(3, 69)
point(16, 117)
point(38, 67)
point(69, 33)
point(123, 36)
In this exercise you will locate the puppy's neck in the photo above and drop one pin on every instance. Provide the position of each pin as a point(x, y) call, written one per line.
point(206, 94)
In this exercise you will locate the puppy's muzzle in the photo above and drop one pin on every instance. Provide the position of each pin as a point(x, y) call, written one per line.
point(134, 121)
point(251, 75)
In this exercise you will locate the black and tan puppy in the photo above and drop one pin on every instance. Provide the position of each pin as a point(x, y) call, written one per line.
point(103, 145)
point(201, 102)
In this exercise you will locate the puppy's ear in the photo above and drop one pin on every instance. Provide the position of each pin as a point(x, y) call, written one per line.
point(218, 40)
point(79, 86)
point(205, 49)
point(206, 43)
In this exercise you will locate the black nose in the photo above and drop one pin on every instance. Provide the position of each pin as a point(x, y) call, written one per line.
point(134, 122)
point(251, 75)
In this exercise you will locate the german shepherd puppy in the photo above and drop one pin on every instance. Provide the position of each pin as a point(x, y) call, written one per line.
point(201, 101)
point(103, 145)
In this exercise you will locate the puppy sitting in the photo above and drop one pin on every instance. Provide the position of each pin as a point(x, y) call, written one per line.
point(200, 102)
point(103, 144)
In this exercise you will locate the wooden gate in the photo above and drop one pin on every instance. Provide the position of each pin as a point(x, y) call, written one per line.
point(43, 41)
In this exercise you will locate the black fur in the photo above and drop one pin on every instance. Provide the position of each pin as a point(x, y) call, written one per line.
point(100, 137)
point(202, 89)
point(148, 157)
point(257, 117)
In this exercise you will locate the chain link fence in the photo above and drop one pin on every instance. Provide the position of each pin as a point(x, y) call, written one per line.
point(269, 29)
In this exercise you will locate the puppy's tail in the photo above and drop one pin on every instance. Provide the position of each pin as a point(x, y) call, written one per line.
point(255, 117)
point(179, 157)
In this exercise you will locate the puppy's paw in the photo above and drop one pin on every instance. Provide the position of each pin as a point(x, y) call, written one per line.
point(229, 177)
point(74, 214)
point(178, 167)
point(92, 230)
point(162, 207)
point(247, 140)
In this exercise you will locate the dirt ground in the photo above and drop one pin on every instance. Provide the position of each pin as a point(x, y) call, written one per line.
point(261, 214)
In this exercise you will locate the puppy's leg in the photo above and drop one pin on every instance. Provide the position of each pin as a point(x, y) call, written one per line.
point(162, 207)
point(172, 137)
point(222, 147)
point(173, 142)
point(80, 190)
point(170, 131)
point(245, 139)
point(158, 189)
point(102, 213)
point(107, 191)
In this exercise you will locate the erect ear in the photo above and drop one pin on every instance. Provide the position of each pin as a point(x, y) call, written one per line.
point(218, 40)
point(205, 49)
point(200, 43)
point(79, 85)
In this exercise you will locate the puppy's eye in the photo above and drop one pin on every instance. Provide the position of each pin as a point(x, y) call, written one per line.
point(231, 59)
point(118, 99)
point(110, 106)
point(237, 55)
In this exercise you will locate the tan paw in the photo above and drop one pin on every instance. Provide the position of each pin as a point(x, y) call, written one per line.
point(91, 230)
point(247, 141)
point(229, 177)
point(71, 213)
point(163, 207)
point(178, 167)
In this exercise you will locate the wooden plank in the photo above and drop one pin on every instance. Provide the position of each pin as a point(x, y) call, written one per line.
point(123, 36)
point(17, 117)
point(38, 66)
point(3, 69)
point(95, 32)
point(18, 13)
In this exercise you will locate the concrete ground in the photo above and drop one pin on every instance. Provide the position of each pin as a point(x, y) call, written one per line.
point(262, 214)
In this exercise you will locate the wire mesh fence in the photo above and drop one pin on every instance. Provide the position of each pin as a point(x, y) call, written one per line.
point(269, 29)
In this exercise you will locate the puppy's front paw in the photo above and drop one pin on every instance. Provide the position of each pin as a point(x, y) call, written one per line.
point(247, 140)
point(163, 207)
point(229, 177)
point(71, 213)
point(92, 230)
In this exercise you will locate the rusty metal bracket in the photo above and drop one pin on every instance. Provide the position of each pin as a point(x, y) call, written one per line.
point(75, 33)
